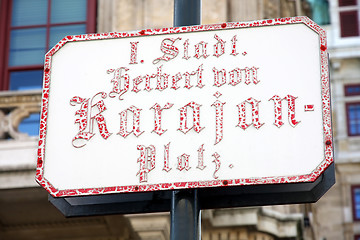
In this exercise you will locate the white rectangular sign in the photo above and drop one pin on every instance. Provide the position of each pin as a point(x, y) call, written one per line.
point(200, 106)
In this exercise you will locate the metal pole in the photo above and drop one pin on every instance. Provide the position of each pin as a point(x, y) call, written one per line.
point(185, 215)
point(187, 12)
point(185, 210)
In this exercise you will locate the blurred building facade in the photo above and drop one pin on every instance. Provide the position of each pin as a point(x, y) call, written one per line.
point(29, 28)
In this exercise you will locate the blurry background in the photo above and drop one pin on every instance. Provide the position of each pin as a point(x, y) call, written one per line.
point(29, 28)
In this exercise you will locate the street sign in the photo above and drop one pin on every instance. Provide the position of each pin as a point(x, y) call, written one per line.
point(221, 105)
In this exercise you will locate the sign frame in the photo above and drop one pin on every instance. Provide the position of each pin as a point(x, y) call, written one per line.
point(208, 198)
point(308, 178)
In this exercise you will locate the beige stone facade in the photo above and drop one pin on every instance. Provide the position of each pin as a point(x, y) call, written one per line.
point(25, 212)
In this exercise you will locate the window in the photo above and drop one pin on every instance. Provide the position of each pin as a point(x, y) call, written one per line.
point(31, 28)
point(353, 118)
point(353, 109)
point(352, 90)
point(28, 29)
point(349, 18)
point(320, 11)
point(355, 192)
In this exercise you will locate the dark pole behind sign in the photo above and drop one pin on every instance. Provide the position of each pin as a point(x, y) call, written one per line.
point(187, 12)
point(185, 215)
point(185, 209)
